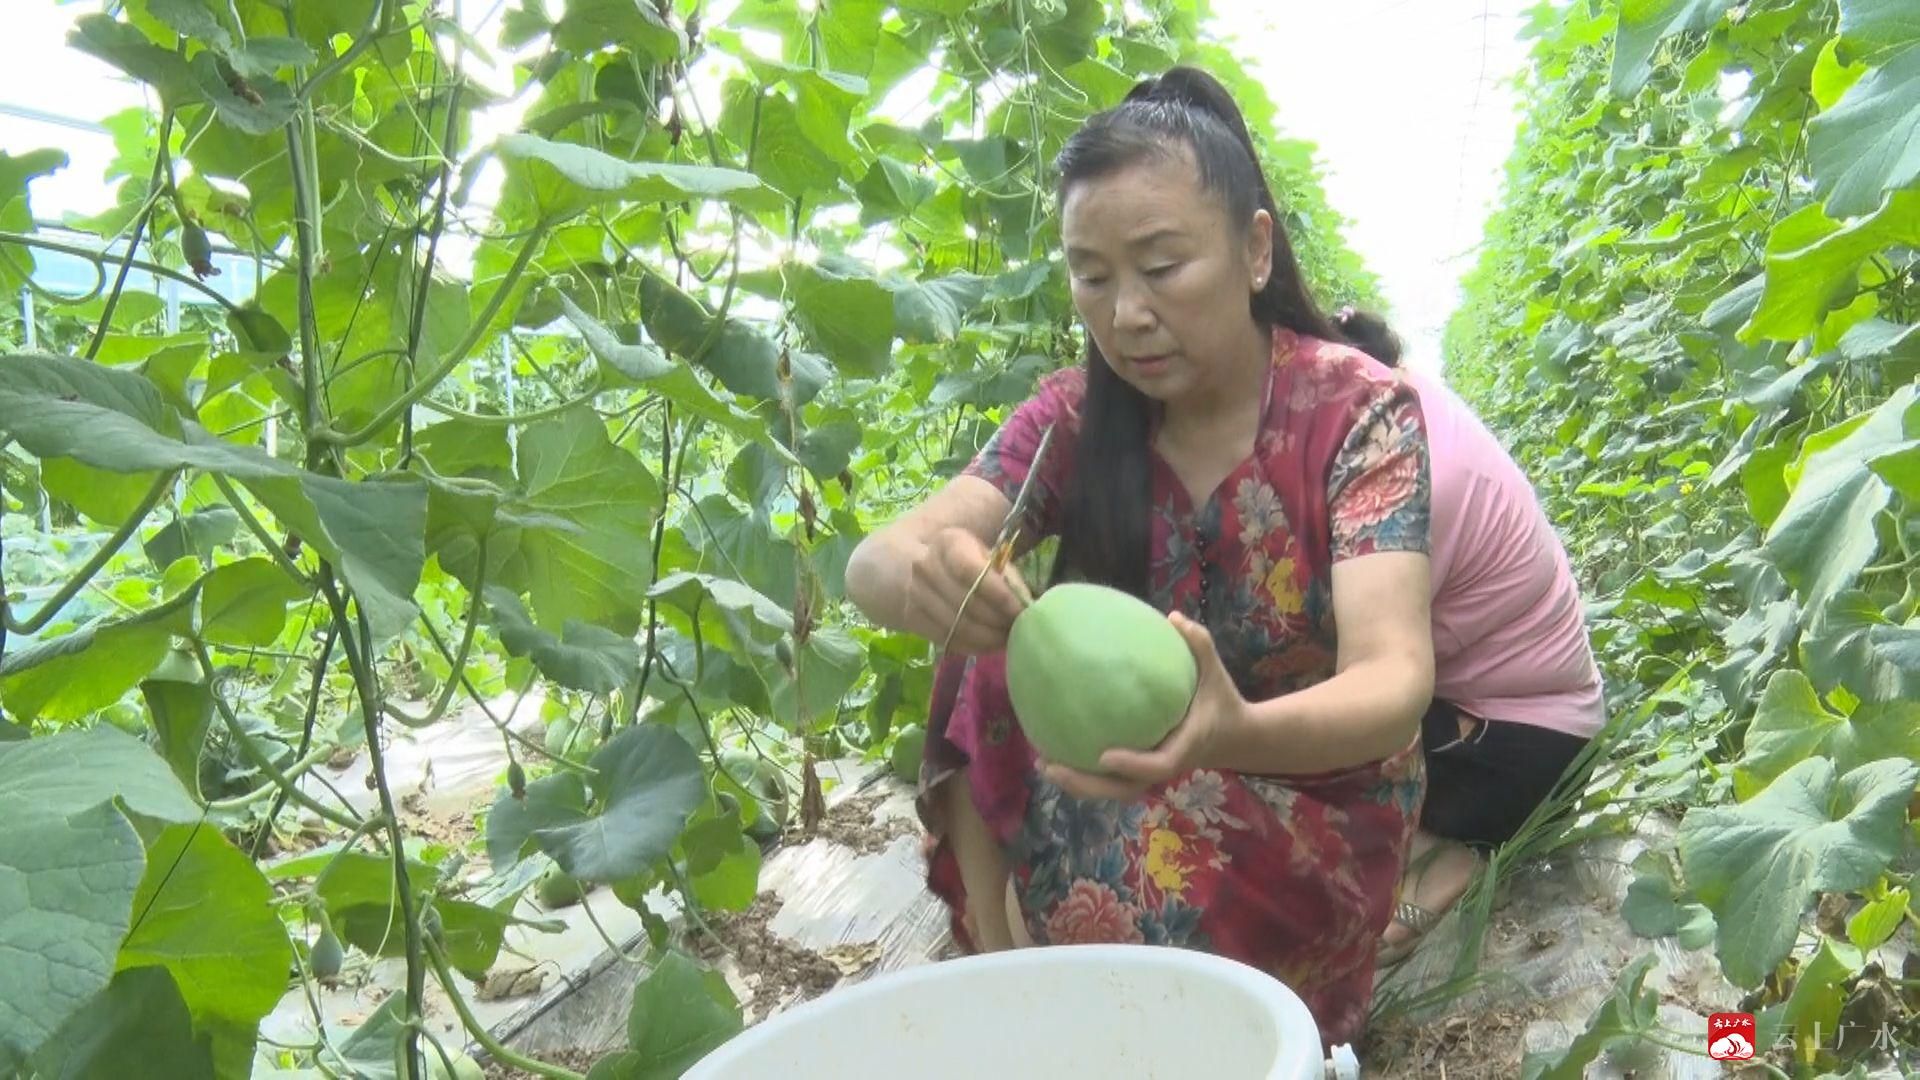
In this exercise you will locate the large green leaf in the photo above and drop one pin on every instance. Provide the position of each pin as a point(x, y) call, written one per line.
point(933, 311)
point(197, 533)
point(556, 180)
point(553, 800)
point(646, 783)
point(583, 657)
point(138, 1026)
point(70, 865)
point(125, 47)
point(746, 361)
point(245, 603)
point(1643, 23)
point(205, 913)
point(1813, 259)
point(1879, 22)
point(1852, 644)
point(1791, 725)
point(1868, 144)
point(1757, 865)
point(1824, 536)
point(637, 363)
point(587, 558)
point(680, 1014)
point(590, 24)
point(57, 406)
point(847, 314)
point(731, 613)
point(180, 712)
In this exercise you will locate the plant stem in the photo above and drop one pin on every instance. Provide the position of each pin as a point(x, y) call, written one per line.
point(480, 1033)
point(360, 660)
point(160, 170)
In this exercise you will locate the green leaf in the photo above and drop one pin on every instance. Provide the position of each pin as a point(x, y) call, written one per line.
point(126, 48)
point(576, 536)
point(588, 25)
point(847, 314)
point(1873, 925)
point(936, 310)
point(1813, 261)
point(191, 19)
point(746, 361)
point(205, 913)
point(75, 675)
point(197, 533)
point(107, 498)
point(742, 616)
point(890, 190)
point(647, 781)
point(1852, 644)
point(724, 864)
point(557, 180)
point(180, 712)
point(637, 363)
point(256, 107)
point(67, 882)
point(1824, 535)
point(1820, 989)
point(1758, 864)
point(138, 1026)
point(1869, 143)
point(584, 657)
point(265, 56)
point(553, 800)
point(245, 603)
point(1630, 1010)
point(1879, 22)
point(680, 1014)
point(1900, 468)
point(1790, 725)
point(1656, 908)
point(70, 864)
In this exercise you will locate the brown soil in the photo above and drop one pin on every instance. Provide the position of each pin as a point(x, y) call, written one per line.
point(1488, 1046)
point(780, 967)
point(851, 825)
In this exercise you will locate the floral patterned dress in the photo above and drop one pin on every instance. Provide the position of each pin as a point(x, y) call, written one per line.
point(1295, 874)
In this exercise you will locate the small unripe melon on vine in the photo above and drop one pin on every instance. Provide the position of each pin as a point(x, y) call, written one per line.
point(1091, 669)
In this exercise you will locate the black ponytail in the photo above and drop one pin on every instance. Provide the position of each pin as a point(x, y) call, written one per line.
point(1104, 535)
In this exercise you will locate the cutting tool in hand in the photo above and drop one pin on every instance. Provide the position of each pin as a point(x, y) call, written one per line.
point(1004, 544)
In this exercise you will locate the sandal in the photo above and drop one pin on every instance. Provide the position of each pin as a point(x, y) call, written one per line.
point(1415, 918)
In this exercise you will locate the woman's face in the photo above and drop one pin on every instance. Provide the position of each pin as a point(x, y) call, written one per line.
point(1162, 278)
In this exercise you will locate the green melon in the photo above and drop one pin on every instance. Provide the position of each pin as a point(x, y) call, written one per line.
point(1090, 669)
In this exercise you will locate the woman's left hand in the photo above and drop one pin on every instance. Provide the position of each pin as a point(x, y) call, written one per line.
point(1218, 712)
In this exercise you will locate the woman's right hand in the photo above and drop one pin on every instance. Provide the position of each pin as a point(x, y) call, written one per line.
point(938, 582)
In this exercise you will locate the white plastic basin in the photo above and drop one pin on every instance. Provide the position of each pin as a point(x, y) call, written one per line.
point(1120, 1011)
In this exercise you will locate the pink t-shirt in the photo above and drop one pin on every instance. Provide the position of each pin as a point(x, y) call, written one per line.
point(1509, 635)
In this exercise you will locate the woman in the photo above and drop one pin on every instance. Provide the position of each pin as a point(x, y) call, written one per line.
point(1224, 455)
point(1517, 694)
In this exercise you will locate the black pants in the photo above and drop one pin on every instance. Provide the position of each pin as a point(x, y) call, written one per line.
point(1482, 786)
